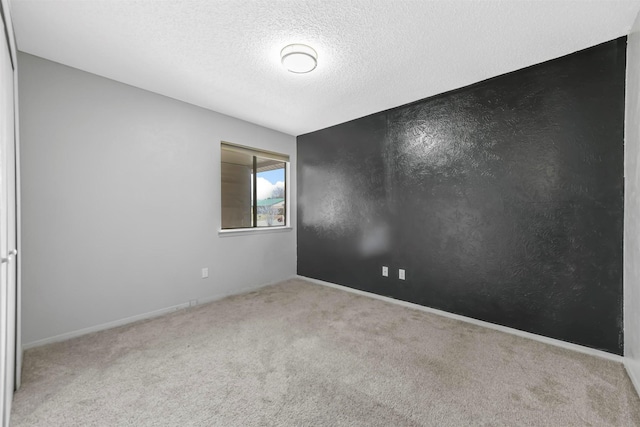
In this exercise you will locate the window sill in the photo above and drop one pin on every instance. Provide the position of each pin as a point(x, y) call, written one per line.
point(262, 230)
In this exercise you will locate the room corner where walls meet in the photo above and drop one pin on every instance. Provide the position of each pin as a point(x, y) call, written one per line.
point(632, 209)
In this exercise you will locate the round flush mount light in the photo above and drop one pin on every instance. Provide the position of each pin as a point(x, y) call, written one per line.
point(299, 58)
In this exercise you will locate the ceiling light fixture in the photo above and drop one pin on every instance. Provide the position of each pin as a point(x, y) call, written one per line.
point(299, 58)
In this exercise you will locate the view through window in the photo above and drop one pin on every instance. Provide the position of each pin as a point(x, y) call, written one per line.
point(253, 187)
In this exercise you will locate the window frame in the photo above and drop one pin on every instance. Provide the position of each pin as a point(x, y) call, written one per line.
point(286, 159)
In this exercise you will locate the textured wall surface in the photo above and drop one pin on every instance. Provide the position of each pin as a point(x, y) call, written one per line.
point(503, 201)
point(121, 202)
point(632, 209)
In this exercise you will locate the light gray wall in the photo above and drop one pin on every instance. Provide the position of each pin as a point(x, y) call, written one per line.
point(632, 209)
point(121, 202)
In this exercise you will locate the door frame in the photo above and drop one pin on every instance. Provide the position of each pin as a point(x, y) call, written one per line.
point(11, 48)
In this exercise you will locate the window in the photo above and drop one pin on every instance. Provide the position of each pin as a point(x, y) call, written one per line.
point(254, 187)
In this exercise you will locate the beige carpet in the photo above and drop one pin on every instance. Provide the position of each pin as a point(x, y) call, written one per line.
point(300, 354)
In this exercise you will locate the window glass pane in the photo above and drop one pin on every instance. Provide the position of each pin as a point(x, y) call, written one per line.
point(237, 176)
point(271, 191)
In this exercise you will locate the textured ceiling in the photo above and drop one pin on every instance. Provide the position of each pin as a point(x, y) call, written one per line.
point(372, 54)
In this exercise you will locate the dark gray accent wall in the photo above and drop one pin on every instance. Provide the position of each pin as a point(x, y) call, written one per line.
point(503, 201)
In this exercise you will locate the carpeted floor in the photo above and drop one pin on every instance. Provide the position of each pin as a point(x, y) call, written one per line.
point(300, 354)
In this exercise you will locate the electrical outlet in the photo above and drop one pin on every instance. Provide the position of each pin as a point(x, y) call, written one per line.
point(385, 271)
point(205, 273)
point(401, 274)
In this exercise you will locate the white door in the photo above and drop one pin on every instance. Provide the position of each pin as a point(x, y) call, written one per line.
point(7, 232)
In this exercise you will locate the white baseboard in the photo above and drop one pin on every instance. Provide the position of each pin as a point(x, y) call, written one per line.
point(633, 370)
point(143, 316)
point(546, 340)
point(103, 326)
